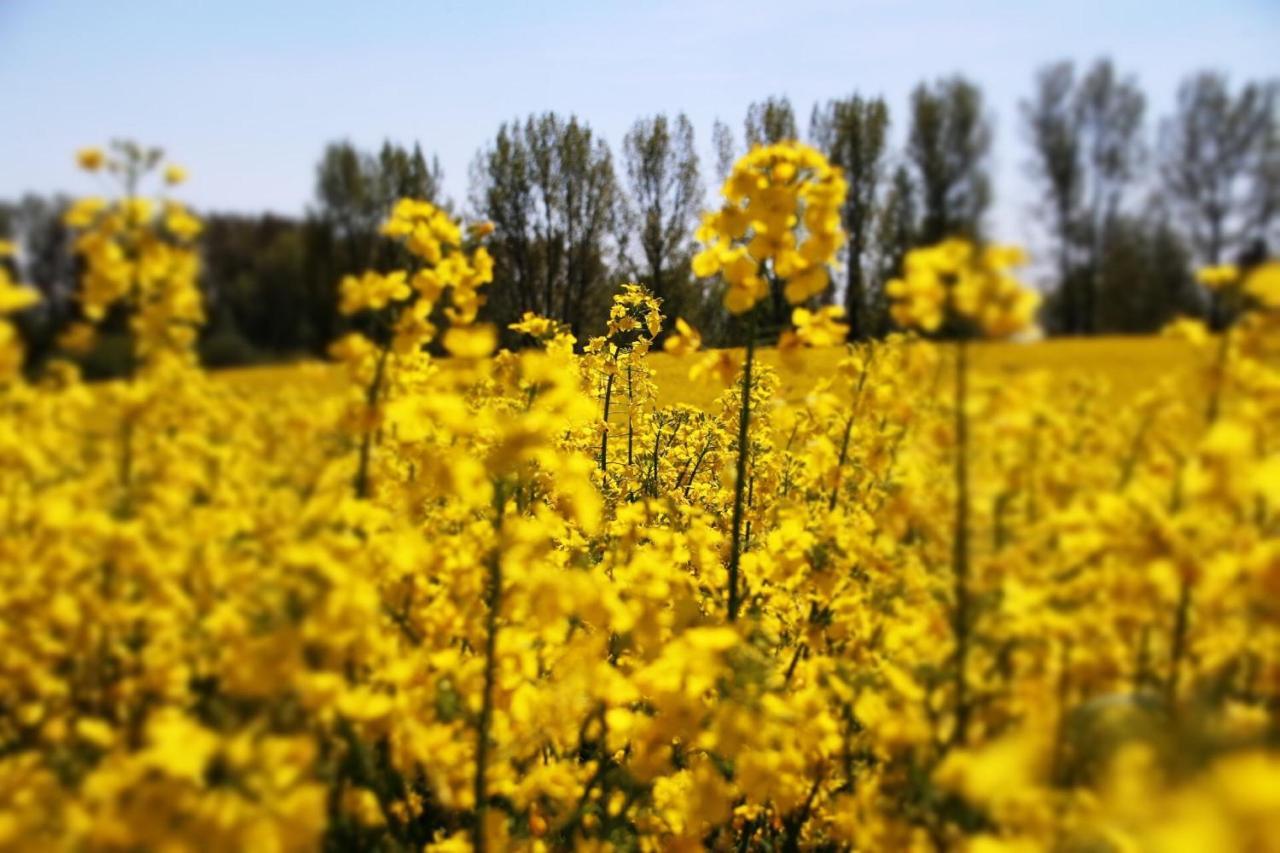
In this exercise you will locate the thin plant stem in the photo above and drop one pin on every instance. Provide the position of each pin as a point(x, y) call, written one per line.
point(739, 485)
point(493, 602)
point(604, 435)
point(1178, 642)
point(848, 429)
point(1214, 407)
point(372, 393)
point(631, 403)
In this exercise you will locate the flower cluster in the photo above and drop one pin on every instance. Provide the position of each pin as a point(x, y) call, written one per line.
point(448, 266)
point(780, 219)
point(139, 256)
point(401, 304)
point(1260, 285)
point(958, 284)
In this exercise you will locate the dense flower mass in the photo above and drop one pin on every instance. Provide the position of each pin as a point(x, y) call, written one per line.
point(515, 600)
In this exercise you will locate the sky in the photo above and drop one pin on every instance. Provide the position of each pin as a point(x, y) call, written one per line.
point(246, 94)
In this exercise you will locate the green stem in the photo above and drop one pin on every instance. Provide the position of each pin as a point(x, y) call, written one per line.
point(706, 446)
point(657, 444)
point(1178, 651)
point(848, 429)
point(1135, 450)
point(1219, 376)
point(366, 441)
point(604, 435)
point(795, 659)
point(744, 422)
point(631, 402)
point(493, 602)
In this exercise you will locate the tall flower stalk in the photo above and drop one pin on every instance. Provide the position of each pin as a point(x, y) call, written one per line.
point(400, 305)
point(635, 318)
point(777, 231)
point(484, 726)
point(140, 258)
point(740, 480)
point(964, 291)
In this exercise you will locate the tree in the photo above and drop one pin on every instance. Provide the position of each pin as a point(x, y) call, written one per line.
point(1220, 165)
point(769, 121)
point(48, 264)
point(1050, 123)
point(355, 191)
point(401, 173)
point(348, 203)
point(722, 143)
point(666, 198)
point(548, 186)
point(254, 278)
point(1144, 276)
point(896, 234)
point(852, 134)
point(1110, 113)
point(949, 145)
point(1087, 144)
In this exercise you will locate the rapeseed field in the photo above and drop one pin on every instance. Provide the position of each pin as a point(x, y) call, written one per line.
point(940, 591)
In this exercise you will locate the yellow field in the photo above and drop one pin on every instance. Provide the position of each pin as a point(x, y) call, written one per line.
point(962, 597)
point(1127, 364)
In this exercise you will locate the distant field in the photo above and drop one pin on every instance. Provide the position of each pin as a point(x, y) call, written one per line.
point(1130, 364)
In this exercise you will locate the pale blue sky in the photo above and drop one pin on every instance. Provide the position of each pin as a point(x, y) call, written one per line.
point(245, 94)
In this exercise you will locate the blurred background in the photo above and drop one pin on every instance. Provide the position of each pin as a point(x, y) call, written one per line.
point(1123, 143)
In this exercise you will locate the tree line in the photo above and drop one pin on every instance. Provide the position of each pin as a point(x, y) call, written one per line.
point(1129, 207)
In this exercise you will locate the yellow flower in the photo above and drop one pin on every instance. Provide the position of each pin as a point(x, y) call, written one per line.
point(90, 159)
point(82, 213)
point(15, 297)
point(718, 364)
point(954, 281)
point(77, 338)
point(1263, 284)
point(806, 283)
point(352, 348)
point(683, 341)
point(772, 191)
point(1187, 329)
point(174, 174)
point(706, 263)
point(791, 350)
point(179, 747)
point(820, 329)
point(372, 291)
point(95, 731)
point(182, 223)
point(534, 325)
point(1218, 277)
point(471, 341)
